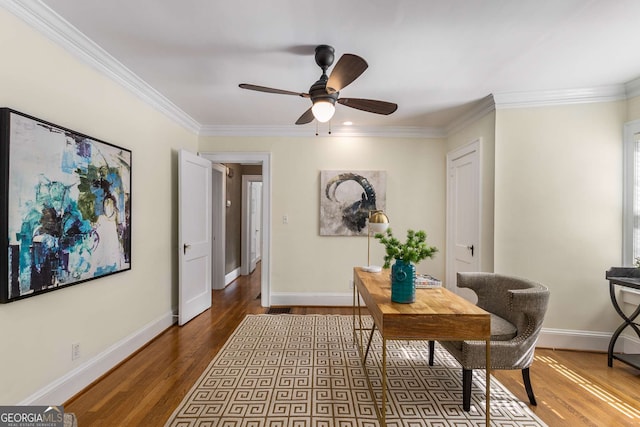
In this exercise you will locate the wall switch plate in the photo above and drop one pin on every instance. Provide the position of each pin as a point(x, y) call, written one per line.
point(75, 351)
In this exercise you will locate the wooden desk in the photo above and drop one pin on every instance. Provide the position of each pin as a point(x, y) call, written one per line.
point(437, 314)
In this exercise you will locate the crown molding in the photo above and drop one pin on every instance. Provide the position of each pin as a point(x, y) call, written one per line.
point(484, 107)
point(323, 130)
point(559, 97)
point(633, 88)
point(57, 29)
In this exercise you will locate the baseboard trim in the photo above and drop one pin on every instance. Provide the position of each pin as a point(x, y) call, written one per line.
point(231, 276)
point(573, 339)
point(566, 339)
point(67, 386)
point(312, 299)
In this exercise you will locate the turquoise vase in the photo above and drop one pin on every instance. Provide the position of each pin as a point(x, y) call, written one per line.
point(403, 277)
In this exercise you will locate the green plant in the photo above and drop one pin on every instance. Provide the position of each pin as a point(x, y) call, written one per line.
point(414, 250)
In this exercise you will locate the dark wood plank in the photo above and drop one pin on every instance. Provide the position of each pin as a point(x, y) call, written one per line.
point(572, 388)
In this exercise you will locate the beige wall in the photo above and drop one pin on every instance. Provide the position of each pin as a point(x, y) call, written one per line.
point(558, 205)
point(43, 80)
point(302, 260)
point(633, 109)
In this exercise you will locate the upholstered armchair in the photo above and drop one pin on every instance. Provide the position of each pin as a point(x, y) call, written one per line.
point(517, 307)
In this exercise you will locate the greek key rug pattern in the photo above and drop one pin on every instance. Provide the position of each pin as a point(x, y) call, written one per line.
point(305, 371)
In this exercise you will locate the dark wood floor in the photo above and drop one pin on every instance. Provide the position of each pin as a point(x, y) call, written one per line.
point(572, 388)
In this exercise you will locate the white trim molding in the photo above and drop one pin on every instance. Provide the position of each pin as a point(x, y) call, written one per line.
point(327, 299)
point(566, 339)
point(79, 378)
point(323, 130)
point(484, 106)
point(633, 88)
point(231, 276)
point(559, 97)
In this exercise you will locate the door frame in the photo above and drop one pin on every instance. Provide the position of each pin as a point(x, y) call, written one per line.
point(218, 253)
point(245, 262)
point(264, 159)
point(471, 147)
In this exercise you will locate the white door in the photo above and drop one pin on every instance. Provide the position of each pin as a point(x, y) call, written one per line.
point(218, 203)
point(194, 235)
point(463, 214)
point(254, 223)
point(252, 237)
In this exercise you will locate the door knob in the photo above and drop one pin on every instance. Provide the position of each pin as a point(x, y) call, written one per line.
point(471, 249)
point(185, 248)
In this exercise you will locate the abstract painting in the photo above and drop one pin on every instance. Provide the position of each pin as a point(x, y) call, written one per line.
point(65, 213)
point(346, 197)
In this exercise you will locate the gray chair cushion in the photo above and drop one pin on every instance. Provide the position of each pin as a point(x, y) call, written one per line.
point(501, 330)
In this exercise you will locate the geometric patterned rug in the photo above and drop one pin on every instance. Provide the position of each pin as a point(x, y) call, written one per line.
point(305, 371)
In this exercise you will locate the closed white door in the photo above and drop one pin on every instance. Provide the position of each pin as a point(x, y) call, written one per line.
point(463, 214)
point(194, 235)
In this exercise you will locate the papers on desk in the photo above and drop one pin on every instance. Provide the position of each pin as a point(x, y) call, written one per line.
point(426, 281)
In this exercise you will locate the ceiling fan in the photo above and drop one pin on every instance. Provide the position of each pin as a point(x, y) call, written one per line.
point(325, 92)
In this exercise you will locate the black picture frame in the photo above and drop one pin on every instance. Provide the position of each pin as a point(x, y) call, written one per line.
point(65, 209)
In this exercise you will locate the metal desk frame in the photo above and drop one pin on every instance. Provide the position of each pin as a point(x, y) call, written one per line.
point(630, 278)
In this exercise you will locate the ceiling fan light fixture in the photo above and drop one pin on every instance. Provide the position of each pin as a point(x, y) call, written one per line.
point(323, 109)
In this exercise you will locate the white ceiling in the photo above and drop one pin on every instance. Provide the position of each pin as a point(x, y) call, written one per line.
point(434, 58)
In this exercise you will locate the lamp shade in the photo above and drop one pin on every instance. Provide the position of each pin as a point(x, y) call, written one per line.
point(323, 110)
point(378, 222)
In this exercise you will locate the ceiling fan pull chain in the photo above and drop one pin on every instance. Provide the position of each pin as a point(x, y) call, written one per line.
point(316, 128)
point(329, 127)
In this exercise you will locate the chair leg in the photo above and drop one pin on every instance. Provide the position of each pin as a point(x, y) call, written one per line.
point(527, 385)
point(432, 347)
point(467, 377)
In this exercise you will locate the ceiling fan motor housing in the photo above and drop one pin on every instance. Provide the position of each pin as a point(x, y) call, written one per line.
point(318, 91)
point(324, 56)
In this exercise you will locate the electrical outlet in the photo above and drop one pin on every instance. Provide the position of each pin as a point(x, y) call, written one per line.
point(285, 219)
point(75, 351)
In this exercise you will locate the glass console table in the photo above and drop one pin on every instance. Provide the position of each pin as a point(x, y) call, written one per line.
point(630, 278)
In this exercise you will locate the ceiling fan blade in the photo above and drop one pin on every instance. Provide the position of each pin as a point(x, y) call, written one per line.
point(347, 69)
point(369, 105)
point(271, 90)
point(305, 118)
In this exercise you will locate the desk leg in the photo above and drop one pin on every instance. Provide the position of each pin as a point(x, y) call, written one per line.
point(383, 410)
point(353, 312)
point(488, 385)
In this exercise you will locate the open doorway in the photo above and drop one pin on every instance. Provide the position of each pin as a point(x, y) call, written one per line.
point(264, 160)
